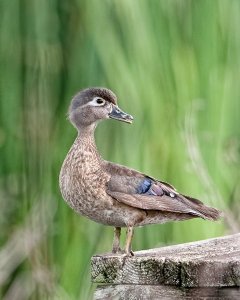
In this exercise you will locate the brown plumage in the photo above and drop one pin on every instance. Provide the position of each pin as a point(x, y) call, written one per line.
point(112, 194)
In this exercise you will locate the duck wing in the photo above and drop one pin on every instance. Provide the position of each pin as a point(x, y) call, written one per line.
point(141, 191)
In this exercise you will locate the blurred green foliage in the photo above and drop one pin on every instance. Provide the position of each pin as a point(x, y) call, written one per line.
point(173, 64)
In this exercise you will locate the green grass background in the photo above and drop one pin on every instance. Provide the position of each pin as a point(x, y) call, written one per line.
point(174, 66)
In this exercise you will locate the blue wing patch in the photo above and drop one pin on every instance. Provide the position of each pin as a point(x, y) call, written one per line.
point(144, 187)
point(149, 187)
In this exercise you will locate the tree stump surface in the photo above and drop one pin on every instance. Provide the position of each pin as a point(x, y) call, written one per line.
point(207, 263)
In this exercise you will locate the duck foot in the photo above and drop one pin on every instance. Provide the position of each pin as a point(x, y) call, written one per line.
point(123, 252)
point(118, 251)
point(129, 254)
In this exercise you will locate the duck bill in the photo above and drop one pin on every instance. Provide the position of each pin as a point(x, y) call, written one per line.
point(120, 115)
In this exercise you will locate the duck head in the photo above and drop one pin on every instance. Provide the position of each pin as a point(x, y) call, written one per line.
point(94, 104)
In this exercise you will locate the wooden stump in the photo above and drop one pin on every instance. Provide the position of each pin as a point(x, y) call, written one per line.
point(208, 263)
point(153, 292)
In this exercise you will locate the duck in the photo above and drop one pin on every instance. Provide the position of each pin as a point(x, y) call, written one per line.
point(112, 194)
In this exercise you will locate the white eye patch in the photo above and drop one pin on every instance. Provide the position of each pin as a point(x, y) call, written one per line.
point(97, 101)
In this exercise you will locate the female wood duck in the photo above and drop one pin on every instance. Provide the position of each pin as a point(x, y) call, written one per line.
point(112, 194)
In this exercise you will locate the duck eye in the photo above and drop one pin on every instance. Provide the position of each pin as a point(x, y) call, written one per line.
point(99, 101)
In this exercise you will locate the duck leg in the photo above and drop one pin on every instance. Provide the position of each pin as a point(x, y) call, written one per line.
point(128, 245)
point(116, 240)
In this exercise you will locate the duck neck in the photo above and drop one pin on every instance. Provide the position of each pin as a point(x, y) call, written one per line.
point(85, 142)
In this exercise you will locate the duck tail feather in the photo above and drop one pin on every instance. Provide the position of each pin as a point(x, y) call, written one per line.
point(202, 210)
